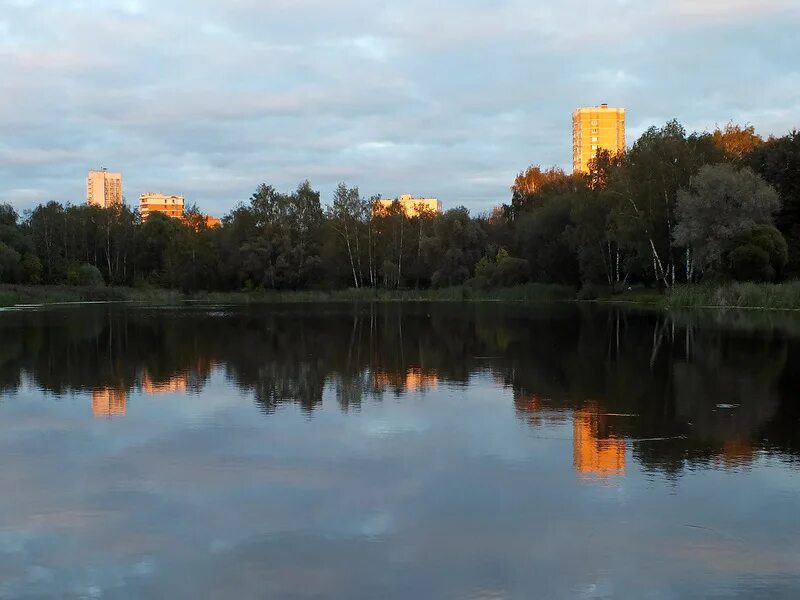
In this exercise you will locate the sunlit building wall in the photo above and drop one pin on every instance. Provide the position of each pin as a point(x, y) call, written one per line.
point(412, 207)
point(103, 189)
point(593, 128)
point(149, 203)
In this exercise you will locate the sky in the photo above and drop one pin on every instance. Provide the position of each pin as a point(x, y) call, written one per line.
point(210, 98)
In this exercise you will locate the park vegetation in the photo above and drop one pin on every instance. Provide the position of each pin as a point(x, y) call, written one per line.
point(675, 209)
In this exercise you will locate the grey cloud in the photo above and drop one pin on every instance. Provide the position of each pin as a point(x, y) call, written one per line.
point(451, 99)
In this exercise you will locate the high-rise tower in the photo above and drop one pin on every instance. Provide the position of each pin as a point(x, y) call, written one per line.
point(103, 189)
point(596, 127)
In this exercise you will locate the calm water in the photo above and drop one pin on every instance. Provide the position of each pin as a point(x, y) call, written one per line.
point(425, 451)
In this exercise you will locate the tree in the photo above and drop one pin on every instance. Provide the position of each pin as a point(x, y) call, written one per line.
point(541, 238)
point(778, 162)
point(736, 142)
point(46, 225)
point(661, 162)
point(533, 184)
point(454, 248)
point(10, 264)
point(345, 216)
point(720, 203)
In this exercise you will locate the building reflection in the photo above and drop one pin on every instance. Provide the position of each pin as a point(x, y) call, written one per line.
point(112, 401)
point(109, 402)
point(412, 380)
point(176, 383)
point(595, 453)
point(736, 452)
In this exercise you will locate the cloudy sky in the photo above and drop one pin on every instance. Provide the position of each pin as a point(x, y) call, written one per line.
point(209, 98)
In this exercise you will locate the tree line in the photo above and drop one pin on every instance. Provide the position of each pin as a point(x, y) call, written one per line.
point(674, 208)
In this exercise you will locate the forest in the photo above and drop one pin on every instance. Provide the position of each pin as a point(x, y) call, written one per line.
point(675, 208)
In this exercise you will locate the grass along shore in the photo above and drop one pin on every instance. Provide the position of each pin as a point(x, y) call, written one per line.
point(784, 296)
point(21, 295)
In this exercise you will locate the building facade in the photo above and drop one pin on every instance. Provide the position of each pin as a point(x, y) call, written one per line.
point(594, 128)
point(149, 203)
point(103, 189)
point(412, 207)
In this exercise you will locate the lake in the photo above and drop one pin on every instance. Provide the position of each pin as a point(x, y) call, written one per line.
point(476, 451)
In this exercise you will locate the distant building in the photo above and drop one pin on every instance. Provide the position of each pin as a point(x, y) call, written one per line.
point(212, 222)
point(412, 207)
point(149, 203)
point(593, 128)
point(103, 189)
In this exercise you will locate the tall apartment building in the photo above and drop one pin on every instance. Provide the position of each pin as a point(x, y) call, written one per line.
point(596, 127)
point(411, 206)
point(149, 202)
point(103, 189)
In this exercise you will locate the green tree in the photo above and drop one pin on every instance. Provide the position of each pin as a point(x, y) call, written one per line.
point(345, 215)
point(778, 162)
point(661, 162)
point(720, 203)
point(454, 248)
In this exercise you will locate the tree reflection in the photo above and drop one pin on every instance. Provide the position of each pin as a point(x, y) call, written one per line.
point(666, 389)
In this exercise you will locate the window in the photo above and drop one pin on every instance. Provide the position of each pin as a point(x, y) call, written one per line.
point(594, 139)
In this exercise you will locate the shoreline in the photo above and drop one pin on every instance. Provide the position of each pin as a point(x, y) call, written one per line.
point(744, 296)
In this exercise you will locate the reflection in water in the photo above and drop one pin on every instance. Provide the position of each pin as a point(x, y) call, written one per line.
point(594, 454)
point(398, 451)
point(412, 380)
point(737, 452)
point(109, 402)
point(175, 383)
point(722, 389)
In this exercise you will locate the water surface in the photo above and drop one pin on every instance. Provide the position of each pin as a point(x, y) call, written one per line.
point(398, 451)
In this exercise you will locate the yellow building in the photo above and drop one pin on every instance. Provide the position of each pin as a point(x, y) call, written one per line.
point(103, 189)
point(212, 222)
point(172, 206)
point(593, 128)
point(412, 207)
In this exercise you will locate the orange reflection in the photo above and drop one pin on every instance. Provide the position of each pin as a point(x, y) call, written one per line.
point(176, 383)
point(413, 380)
point(536, 410)
point(595, 457)
point(109, 402)
point(737, 452)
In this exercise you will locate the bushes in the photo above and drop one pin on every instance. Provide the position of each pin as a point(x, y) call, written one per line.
point(503, 271)
point(85, 275)
point(758, 255)
point(750, 263)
